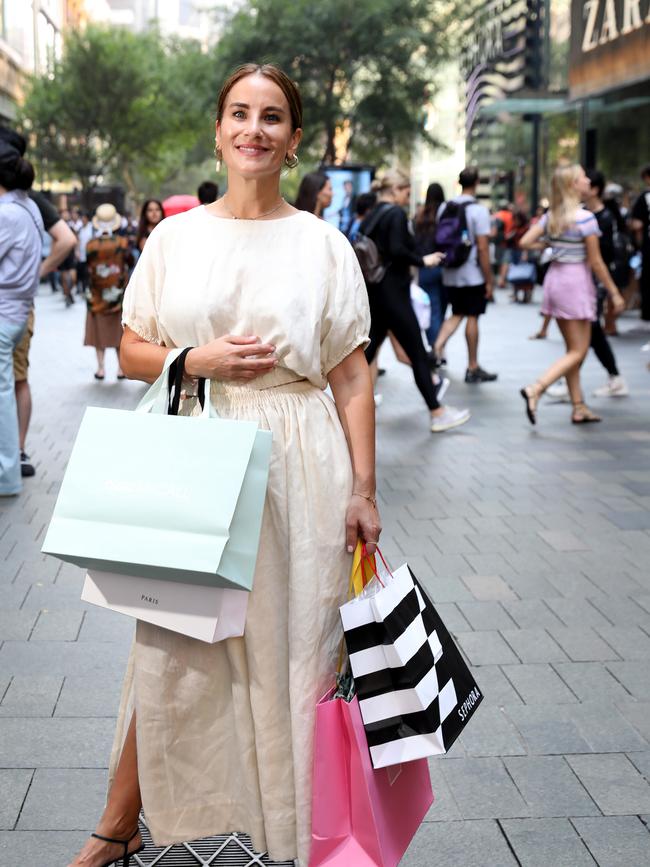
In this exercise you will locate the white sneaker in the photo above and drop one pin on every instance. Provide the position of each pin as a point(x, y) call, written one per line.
point(646, 347)
point(614, 387)
point(559, 392)
point(379, 399)
point(449, 418)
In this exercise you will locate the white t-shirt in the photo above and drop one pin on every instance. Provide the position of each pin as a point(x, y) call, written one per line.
point(478, 223)
point(85, 234)
point(294, 282)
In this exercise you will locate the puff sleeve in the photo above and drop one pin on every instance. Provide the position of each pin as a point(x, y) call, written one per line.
point(345, 321)
point(144, 291)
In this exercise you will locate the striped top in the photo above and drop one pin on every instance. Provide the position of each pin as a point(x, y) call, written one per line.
point(569, 247)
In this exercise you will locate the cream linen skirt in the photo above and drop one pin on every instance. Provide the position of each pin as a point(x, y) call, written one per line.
point(225, 731)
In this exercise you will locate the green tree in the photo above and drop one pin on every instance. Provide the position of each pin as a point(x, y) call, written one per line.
point(364, 68)
point(120, 104)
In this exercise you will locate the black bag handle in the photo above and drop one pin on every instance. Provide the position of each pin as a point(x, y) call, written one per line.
point(175, 383)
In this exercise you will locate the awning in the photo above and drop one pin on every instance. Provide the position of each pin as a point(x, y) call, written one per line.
point(526, 105)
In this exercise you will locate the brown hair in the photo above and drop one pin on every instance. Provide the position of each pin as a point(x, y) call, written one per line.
point(273, 73)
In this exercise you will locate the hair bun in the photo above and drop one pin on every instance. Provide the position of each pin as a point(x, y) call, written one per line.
point(24, 174)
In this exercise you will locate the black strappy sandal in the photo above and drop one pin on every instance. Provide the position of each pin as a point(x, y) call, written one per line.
point(126, 857)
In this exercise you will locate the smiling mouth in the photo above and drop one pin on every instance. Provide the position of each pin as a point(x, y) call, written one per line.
point(252, 150)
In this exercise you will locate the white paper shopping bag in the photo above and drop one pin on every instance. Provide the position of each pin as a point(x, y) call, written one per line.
point(207, 613)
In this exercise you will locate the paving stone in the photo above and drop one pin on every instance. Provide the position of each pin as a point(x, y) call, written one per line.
point(39, 849)
point(641, 762)
point(452, 617)
point(531, 614)
point(491, 733)
point(444, 807)
point(563, 541)
point(57, 626)
point(16, 625)
point(482, 845)
point(483, 648)
point(548, 730)
point(633, 676)
point(533, 645)
point(449, 589)
point(590, 679)
point(65, 800)
point(637, 713)
point(629, 642)
point(615, 841)
point(483, 790)
point(582, 645)
point(31, 696)
point(55, 742)
point(550, 787)
point(540, 842)
point(101, 625)
point(62, 657)
point(14, 784)
point(495, 686)
point(485, 615)
point(488, 587)
point(604, 728)
point(89, 696)
point(538, 684)
point(578, 612)
point(614, 783)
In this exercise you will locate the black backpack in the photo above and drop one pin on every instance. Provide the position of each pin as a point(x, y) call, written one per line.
point(370, 259)
point(452, 235)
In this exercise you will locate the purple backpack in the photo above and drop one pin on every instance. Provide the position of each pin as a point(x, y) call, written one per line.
point(452, 235)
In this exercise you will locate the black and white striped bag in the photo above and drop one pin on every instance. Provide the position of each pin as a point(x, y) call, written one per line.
point(416, 693)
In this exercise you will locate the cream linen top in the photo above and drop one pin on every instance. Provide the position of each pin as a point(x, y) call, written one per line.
point(293, 282)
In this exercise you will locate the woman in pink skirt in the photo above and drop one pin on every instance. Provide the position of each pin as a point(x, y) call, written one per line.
point(569, 290)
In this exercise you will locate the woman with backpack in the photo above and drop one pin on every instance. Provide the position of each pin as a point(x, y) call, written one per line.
point(430, 279)
point(569, 291)
point(390, 299)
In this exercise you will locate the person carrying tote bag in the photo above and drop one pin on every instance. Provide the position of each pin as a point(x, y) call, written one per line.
point(215, 738)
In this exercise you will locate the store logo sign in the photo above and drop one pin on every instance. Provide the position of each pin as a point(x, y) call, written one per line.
point(607, 20)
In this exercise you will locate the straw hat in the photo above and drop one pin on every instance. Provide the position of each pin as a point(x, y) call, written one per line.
point(106, 218)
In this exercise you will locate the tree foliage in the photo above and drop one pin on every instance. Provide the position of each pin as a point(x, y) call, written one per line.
point(121, 104)
point(364, 68)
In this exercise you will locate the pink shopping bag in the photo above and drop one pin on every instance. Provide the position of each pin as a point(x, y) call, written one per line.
point(360, 817)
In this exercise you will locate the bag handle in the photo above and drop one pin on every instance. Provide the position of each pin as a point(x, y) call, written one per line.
point(159, 398)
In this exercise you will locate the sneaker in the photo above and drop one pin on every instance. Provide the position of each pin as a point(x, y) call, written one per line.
point(26, 466)
point(614, 387)
point(646, 347)
point(449, 418)
point(479, 375)
point(559, 393)
point(441, 387)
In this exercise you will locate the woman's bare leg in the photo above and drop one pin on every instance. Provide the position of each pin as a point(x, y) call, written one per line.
point(100, 361)
point(577, 337)
point(120, 818)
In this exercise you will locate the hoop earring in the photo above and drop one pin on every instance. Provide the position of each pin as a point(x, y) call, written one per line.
point(219, 156)
point(291, 162)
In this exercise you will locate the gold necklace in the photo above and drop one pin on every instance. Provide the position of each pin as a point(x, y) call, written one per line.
point(259, 216)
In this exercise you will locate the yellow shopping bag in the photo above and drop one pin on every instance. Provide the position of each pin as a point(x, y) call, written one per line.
point(363, 568)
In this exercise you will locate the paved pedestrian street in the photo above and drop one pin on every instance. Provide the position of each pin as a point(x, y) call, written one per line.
point(534, 543)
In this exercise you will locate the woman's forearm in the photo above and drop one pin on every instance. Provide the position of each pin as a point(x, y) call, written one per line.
point(352, 389)
point(140, 359)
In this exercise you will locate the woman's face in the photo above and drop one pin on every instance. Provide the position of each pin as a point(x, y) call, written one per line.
point(255, 133)
point(324, 197)
point(153, 213)
point(402, 194)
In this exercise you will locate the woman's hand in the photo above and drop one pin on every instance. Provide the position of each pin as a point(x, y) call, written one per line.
point(362, 521)
point(618, 302)
point(432, 260)
point(231, 358)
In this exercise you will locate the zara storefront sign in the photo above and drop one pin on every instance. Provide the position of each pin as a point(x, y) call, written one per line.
point(610, 45)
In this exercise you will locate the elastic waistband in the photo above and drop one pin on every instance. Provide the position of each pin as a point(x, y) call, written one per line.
point(227, 391)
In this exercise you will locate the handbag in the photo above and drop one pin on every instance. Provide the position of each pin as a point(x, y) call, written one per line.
point(522, 272)
point(416, 693)
point(172, 497)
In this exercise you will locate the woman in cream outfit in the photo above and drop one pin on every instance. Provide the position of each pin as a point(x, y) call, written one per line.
point(218, 738)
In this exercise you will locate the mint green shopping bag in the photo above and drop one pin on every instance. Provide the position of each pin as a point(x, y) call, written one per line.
point(163, 496)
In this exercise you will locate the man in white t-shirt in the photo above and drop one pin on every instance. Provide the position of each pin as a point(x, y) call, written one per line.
point(469, 286)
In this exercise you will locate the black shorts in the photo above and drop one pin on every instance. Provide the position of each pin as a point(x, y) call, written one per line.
point(69, 263)
point(467, 300)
